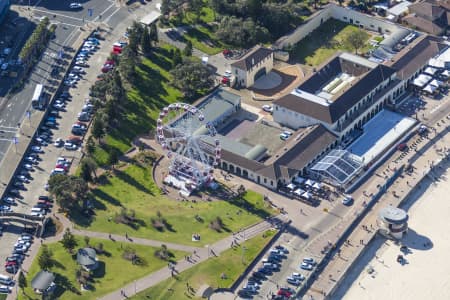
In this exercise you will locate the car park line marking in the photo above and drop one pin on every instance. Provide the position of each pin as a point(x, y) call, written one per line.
point(56, 14)
point(103, 12)
point(109, 18)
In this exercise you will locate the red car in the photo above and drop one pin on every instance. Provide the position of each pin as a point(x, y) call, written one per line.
point(64, 167)
point(226, 52)
point(11, 263)
point(117, 49)
point(225, 80)
point(402, 147)
point(284, 293)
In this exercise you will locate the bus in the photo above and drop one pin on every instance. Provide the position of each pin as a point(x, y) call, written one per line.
point(38, 101)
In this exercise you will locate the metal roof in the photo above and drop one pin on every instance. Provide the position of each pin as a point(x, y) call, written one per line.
point(86, 256)
point(42, 280)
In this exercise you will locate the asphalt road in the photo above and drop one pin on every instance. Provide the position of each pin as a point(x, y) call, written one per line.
point(13, 111)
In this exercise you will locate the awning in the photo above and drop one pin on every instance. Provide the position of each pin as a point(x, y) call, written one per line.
point(446, 73)
point(317, 186)
point(430, 89)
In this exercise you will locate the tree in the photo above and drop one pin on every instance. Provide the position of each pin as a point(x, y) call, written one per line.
point(192, 78)
point(98, 129)
point(45, 260)
point(356, 39)
point(91, 165)
point(113, 157)
point(146, 45)
point(22, 281)
point(90, 145)
point(69, 191)
point(241, 33)
point(153, 33)
point(176, 59)
point(187, 51)
point(134, 36)
point(69, 241)
point(85, 173)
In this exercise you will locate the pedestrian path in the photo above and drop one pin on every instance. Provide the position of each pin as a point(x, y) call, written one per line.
point(340, 264)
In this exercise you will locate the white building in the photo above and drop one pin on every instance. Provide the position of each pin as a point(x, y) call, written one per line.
point(342, 95)
point(258, 62)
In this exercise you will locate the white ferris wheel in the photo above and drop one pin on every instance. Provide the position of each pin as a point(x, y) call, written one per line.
point(181, 131)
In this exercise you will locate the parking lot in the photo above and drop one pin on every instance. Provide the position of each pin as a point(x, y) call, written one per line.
point(42, 168)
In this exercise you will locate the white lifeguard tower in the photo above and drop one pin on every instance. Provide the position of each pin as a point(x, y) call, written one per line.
point(393, 222)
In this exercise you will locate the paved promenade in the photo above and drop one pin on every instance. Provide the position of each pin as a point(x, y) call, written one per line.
point(429, 152)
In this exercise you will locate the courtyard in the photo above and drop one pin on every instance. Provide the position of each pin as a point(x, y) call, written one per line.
point(325, 41)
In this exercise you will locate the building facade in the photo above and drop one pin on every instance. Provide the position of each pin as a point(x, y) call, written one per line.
point(255, 64)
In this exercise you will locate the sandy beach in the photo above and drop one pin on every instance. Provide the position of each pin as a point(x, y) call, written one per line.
point(425, 275)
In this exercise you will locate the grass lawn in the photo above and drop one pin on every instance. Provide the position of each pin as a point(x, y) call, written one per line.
point(134, 189)
point(206, 16)
point(323, 42)
point(202, 38)
point(231, 262)
point(2, 296)
point(151, 92)
point(113, 271)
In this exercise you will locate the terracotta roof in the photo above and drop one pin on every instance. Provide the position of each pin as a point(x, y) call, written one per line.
point(295, 155)
point(416, 55)
point(423, 24)
point(428, 10)
point(252, 58)
point(332, 112)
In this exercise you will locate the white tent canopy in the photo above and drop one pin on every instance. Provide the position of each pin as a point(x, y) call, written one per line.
point(299, 192)
point(306, 195)
point(309, 182)
point(446, 73)
point(422, 80)
point(430, 89)
point(317, 186)
point(435, 83)
point(430, 70)
point(291, 186)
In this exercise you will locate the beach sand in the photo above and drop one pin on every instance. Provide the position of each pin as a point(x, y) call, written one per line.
point(426, 273)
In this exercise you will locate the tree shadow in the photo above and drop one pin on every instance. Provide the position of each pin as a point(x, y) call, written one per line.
point(58, 265)
point(63, 284)
point(131, 181)
point(106, 197)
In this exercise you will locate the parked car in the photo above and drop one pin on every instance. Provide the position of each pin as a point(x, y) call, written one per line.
point(267, 108)
point(70, 146)
point(58, 142)
point(293, 281)
point(306, 266)
point(9, 200)
point(28, 167)
point(309, 260)
point(37, 149)
point(75, 5)
point(348, 200)
point(298, 276)
point(282, 249)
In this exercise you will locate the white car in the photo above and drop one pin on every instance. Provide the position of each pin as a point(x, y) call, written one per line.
point(9, 200)
point(287, 132)
point(298, 276)
point(81, 62)
point(348, 200)
point(73, 76)
point(75, 5)
point(59, 142)
point(5, 208)
point(58, 106)
point(37, 149)
point(36, 214)
point(284, 136)
point(293, 281)
point(78, 69)
point(22, 178)
point(70, 146)
point(227, 74)
point(267, 108)
point(28, 166)
point(309, 260)
point(306, 266)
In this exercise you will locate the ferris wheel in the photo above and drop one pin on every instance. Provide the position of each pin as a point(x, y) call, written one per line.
point(183, 133)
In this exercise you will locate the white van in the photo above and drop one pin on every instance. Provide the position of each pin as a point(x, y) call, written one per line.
point(37, 210)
